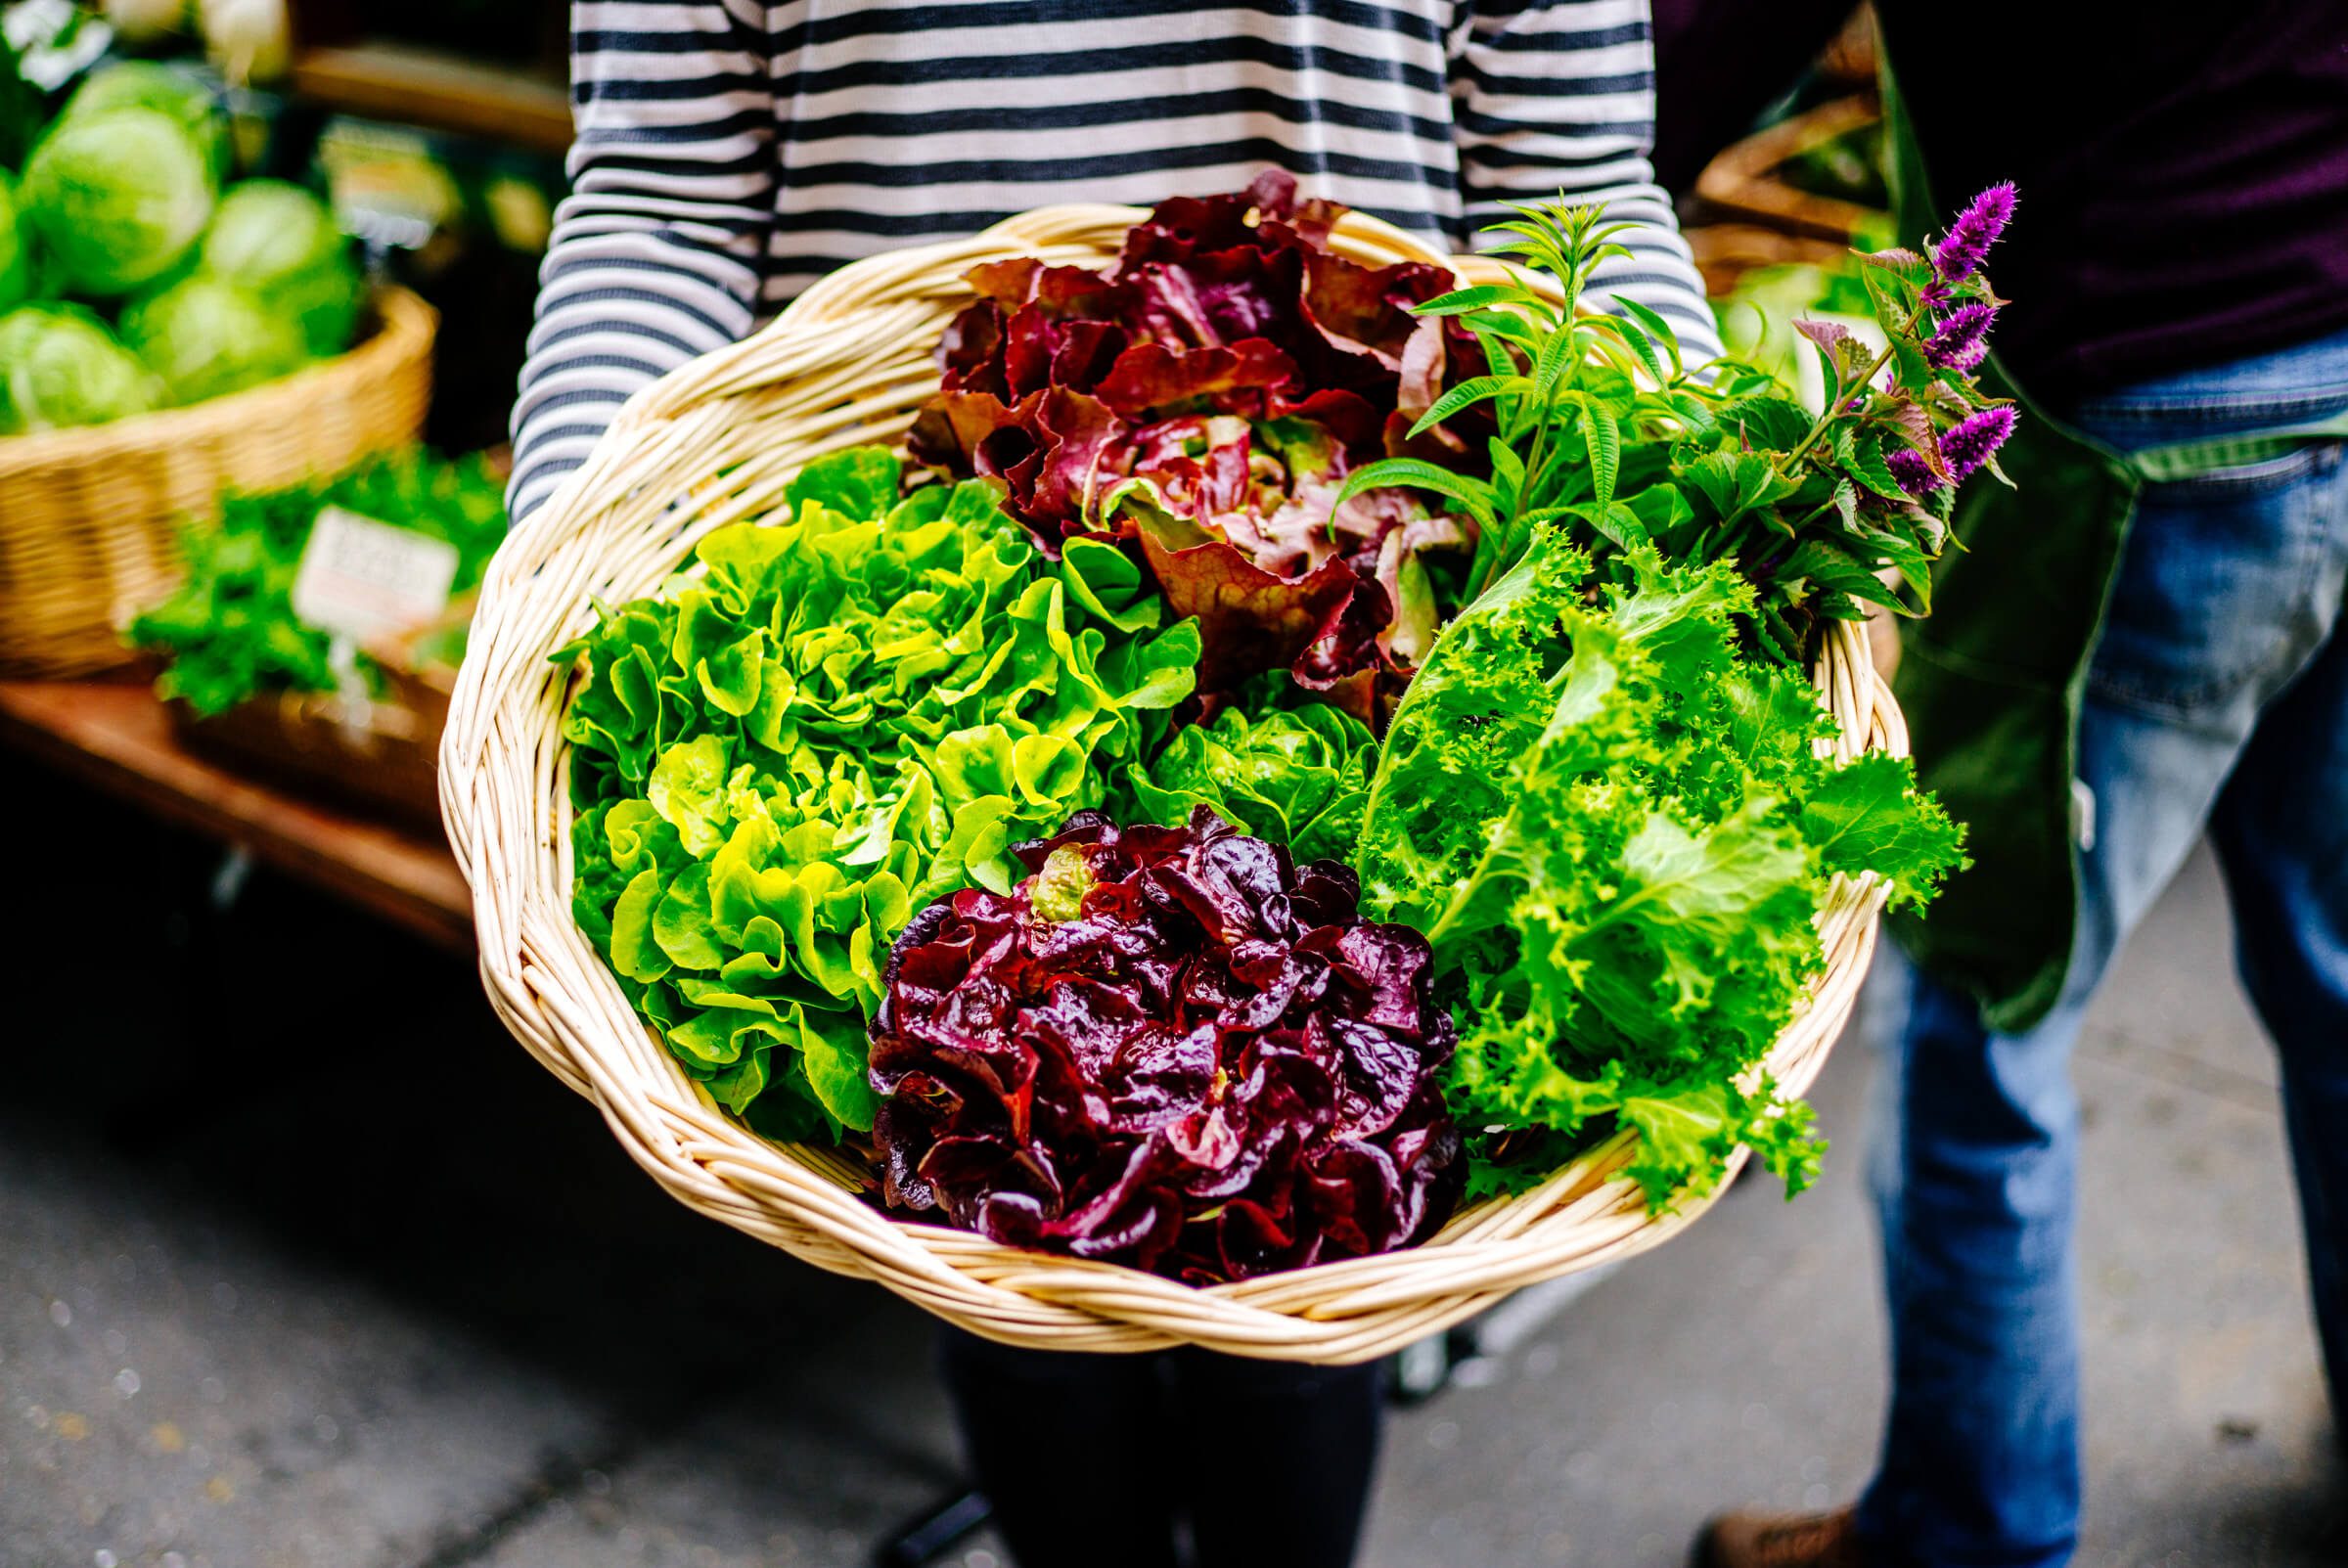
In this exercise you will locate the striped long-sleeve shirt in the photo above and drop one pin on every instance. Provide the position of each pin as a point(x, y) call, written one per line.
point(730, 153)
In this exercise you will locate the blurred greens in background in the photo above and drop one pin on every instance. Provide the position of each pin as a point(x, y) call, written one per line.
point(184, 172)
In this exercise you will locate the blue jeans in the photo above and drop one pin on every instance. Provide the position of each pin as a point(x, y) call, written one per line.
point(2217, 701)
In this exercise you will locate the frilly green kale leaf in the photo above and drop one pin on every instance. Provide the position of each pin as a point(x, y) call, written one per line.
point(1617, 834)
point(839, 718)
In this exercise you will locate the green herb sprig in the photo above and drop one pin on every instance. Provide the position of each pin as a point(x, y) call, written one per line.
point(1606, 431)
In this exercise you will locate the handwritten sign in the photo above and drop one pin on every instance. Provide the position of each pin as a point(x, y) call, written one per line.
point(363, 580)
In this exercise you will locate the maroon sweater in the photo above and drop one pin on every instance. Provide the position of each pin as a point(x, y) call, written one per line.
point(2183, 169)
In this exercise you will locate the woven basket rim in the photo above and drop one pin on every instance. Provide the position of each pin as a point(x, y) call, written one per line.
point(402, 319)
point(608, 532)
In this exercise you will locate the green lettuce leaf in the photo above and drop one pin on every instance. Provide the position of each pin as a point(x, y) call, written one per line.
point(1617, 833)
point(834, 719)
point(1298, 777)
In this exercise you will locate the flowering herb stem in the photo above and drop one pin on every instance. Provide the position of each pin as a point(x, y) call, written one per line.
point(1867, 378)
point(1818, 510)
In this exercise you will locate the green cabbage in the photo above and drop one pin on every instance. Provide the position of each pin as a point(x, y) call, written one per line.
point(844, 717)
point(283, 244)
point(59, 365)
point(208, 339)
point(117, 198)
point(16, 254)
point(166, 89)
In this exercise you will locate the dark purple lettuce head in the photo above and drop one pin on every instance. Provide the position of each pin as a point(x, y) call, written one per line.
point(1171, 1048)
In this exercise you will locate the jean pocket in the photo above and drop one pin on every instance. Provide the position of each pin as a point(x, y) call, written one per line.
point(2216, 584)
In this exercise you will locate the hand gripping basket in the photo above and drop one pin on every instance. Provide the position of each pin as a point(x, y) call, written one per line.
point(715, 442)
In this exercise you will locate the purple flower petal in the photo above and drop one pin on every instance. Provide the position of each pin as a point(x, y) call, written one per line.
point(1915, 476)
point(1966, 245)
point(1963, 341)
point(1969, 442)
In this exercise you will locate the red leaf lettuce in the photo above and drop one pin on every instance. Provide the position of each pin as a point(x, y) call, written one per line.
point(1203, 402)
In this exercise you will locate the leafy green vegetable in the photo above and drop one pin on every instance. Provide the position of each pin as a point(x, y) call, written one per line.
point(207, 338)
point(60, 367)
point(16, 249)
point(1606, 431)
point(229, 631)
point(1616, 835)
point(839, 718)
point(282, 244)
point(1298, 777)
point(167, 90)
point(118, 197)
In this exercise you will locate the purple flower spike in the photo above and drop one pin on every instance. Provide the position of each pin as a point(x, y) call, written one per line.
point(1975, 230)
point(1915, 476)
point(1971, 439)
point(1963, 341)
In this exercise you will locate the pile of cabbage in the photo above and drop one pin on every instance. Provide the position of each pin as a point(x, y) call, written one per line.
point(133, 276)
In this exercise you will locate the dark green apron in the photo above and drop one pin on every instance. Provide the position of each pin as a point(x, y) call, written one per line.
point(1992, 682)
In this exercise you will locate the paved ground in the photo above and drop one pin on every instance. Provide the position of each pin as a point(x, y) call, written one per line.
point(303, 1264)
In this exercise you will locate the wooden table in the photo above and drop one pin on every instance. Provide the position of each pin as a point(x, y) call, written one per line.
point(117, 736)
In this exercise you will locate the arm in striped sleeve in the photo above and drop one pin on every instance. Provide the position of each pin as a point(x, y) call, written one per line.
point(655, 253)
point(1560, 95)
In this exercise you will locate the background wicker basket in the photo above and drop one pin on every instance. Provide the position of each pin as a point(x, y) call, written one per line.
point(850, 361)
point(89, 518)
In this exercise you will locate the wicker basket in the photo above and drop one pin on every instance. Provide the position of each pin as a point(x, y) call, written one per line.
point(89, 518)
point(714, 442)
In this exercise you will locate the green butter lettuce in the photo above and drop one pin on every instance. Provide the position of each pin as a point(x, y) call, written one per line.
point(837, 719)
point(1616, 835)
point(1298, 777)
point(228, 631)
point(281, 244)
point(168, 90)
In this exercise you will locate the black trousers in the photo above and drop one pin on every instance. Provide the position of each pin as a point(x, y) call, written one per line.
point(1109, 1462)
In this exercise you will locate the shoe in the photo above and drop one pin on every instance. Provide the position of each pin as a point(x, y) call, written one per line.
point(1781, 1540)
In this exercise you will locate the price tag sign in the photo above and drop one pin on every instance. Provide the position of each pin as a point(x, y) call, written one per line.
point(363, 580)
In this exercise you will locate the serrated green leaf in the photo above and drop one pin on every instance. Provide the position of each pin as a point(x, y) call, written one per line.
point(1475, 390)
point(1416, 474)
point(1478, 296)
point(1657, 328)
point(1633, 339)
point(1864, 462)
point(1868, 816)
point(1603, 438)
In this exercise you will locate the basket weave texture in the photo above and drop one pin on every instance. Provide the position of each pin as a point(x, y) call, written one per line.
point(715, 442)
point(89, 518)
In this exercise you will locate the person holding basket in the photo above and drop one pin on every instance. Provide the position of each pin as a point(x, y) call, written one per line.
point(727, 154)
point(2142, 644)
